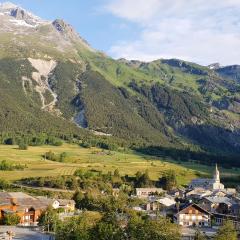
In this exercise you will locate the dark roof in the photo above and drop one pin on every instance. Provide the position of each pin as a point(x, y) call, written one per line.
point(195, 206)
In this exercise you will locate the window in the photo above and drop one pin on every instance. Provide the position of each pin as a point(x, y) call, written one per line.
point(218, 220)
point(190, 211)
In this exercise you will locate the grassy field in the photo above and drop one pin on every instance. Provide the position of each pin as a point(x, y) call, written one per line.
point(96, 159)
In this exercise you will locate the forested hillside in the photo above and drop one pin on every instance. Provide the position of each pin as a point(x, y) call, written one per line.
point(53, 82)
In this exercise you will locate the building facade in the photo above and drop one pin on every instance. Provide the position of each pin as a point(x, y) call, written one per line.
point(193, 215)
point(146, 192)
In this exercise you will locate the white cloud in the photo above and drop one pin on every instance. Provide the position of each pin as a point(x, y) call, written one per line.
point(193, 30)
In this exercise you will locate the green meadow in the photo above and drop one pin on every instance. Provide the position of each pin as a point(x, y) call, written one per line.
point(98, 160)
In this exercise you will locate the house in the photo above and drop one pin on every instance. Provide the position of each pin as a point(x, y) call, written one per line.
point(25, 206)
point(146, 192)
point(179, 193)
point(198, 193)
point(29, 208)
point(193, 215)
point(215, 204)
point(49, 202)
point(167, 205)
point(67, 205)
point(219, 219)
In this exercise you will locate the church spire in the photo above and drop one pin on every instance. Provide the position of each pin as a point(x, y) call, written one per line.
point(217, 175)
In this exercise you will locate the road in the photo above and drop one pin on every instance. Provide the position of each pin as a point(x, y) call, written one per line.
point(189, 232)
point(22, 234)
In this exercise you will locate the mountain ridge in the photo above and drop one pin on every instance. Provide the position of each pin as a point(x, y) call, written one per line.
point(48, 68)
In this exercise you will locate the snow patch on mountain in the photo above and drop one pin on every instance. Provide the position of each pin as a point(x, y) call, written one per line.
point(21, 16)
point(21, 23)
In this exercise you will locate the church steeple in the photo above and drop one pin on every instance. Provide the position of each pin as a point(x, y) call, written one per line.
point(217, 175)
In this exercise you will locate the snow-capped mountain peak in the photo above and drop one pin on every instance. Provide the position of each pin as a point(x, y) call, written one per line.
point(7, 5)
point(20, 15)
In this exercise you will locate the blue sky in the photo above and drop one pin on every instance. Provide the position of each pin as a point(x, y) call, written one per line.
point(151, 29)
point(88, 17)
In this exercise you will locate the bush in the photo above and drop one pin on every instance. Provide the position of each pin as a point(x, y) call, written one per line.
point(4, 184)
point(11, 219)
point(22, 146)
point(7, 166)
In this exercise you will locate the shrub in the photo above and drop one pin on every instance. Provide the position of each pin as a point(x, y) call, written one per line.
point(11, 219)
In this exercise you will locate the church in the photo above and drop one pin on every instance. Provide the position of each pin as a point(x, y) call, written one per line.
point(213, 184)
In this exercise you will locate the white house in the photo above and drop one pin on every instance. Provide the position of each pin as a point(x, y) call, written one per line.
point(193, 215)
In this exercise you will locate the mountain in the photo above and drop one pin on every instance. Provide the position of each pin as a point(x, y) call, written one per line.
point(52, 80)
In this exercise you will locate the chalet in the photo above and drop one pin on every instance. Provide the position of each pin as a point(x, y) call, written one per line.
point(193, 215)
point(26, 207)
point(146, 192)
point(29, 208)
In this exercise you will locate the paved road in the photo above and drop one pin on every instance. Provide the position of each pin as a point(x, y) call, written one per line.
point(22, 234)
point(190, 231)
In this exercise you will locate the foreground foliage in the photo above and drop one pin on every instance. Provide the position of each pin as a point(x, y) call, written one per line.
point(227, 231)
point(116, 228)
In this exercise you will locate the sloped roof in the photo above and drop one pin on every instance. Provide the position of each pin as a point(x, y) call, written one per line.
point(195, 206)
point(217, 199)
point(21, 200)
point(167, 201)
point(149, 189)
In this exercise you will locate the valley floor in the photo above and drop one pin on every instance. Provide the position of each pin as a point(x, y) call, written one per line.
point(99, 160)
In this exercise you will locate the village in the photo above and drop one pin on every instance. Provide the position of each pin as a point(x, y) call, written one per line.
point(204, 206)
